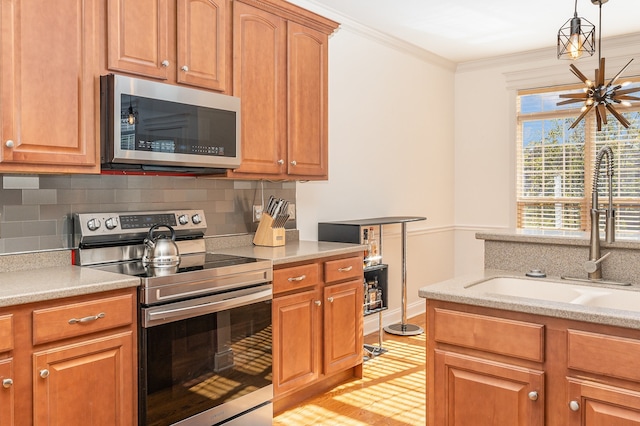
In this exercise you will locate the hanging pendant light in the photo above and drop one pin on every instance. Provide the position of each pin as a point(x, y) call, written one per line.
point(576, 37)
point(598, 96)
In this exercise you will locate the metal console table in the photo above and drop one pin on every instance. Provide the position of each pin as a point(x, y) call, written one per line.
point(351, 232)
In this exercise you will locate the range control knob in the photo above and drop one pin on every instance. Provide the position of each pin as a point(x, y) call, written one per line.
point(196, 219)
point(111, 223)
point(93, 224)
point(183, 219)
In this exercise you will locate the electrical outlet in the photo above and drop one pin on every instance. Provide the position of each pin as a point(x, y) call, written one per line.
point(292, 211)
point(257, 213)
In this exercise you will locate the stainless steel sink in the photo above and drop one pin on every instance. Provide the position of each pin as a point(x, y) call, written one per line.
point(559, 291)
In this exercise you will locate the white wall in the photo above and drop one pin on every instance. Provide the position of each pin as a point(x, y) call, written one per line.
point(390, 154)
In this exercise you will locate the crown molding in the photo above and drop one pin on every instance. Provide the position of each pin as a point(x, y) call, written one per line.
point(390, 41)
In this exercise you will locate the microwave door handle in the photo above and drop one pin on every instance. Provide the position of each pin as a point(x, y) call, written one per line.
point(165, 315)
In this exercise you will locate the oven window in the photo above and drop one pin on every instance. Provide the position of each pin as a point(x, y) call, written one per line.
point(196, 364)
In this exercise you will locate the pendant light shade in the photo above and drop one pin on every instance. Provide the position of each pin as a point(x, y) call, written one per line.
point(576, 37)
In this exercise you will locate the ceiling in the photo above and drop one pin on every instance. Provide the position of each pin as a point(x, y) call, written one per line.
point(466, 30)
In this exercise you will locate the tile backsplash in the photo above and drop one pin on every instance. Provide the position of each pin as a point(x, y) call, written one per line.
point(36, 210)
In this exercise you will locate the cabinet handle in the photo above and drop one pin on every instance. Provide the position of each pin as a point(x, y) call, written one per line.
point(330, 299)
point(318, 303)
point(164, 63)
point(574, 405)
point(347, 269)
point(44, 373)
point(294, 163)
point(281, 161)
point(87, 319)
point(533, 395)
point(300, 278)
point(9, 143)
point(7, 383)
point(185, 68)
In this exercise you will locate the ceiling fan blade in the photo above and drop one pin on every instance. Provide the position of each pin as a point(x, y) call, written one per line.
point(613, 80)
point(600, 74)
point(569, 101)
point(619, 116)
point(581, 116)
point(626, 98)
point(578, 74)
point(575, 95)
point(600, 109)
point(627, 91)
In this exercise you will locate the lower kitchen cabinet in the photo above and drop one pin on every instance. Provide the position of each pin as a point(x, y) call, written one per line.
point(317, 327)
point(88, 383)
point(515, 368)
point(72, 362)
point(6, 392)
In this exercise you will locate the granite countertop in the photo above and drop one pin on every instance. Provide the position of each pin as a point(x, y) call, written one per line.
point(454, 290)
point(56, 282)
point(295, 251)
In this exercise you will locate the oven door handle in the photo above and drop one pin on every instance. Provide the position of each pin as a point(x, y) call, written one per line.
point(162, 316)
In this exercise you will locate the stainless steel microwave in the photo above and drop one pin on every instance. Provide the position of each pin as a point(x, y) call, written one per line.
point(148, 125)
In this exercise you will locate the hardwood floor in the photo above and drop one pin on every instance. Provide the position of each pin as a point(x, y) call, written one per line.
point(391, 392)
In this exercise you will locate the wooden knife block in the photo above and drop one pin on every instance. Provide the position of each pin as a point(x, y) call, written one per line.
point(268, 236)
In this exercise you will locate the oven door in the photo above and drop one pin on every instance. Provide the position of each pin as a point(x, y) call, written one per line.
point(206, 360)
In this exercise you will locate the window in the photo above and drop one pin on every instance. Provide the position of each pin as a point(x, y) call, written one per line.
point(555, 163)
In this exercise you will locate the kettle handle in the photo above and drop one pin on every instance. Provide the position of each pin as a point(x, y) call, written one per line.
point(159, 225)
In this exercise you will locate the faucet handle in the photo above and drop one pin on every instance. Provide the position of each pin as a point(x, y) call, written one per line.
point(592, 265)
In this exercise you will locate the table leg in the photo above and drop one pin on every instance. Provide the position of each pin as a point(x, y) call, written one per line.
point(404, 329)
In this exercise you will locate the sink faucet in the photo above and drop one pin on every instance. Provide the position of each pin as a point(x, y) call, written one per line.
point(592, 266)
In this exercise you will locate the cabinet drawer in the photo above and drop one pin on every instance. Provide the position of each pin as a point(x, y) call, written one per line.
point(6, 333)
point(343, 269)
point(491, 334)
point(295, 277)
point(77, 319)
point(603, 354)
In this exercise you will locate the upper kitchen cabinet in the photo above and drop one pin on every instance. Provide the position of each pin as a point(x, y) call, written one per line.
point(181, 41)
point(280, 54)
point(48, 86)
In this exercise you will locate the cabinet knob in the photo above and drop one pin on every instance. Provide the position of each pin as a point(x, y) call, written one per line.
point(330, 299)
point(294, 163)
point(7, 383)
point(318, 303)
point(533, 395)
point(44, 373)
point(164, 63)
point(281, 161)
point(185, 68)
point(574, 405)
point(9, 144)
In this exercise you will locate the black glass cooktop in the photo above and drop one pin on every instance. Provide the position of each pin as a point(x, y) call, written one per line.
point(188, 263)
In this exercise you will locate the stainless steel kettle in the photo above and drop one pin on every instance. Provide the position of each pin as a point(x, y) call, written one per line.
point(161, 251)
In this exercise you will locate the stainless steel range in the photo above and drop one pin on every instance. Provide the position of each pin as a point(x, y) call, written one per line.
point(205, 318)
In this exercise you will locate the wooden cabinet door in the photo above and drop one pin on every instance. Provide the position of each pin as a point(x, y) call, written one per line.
point(307, 101)
point(296, 340)
point(467, 391)
point(201, 43)
point(595, 404)
point(343, 326)
point(48, 88)
point(88, 383)
point(6, 392)
point(138, 37)
point(259, 79)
